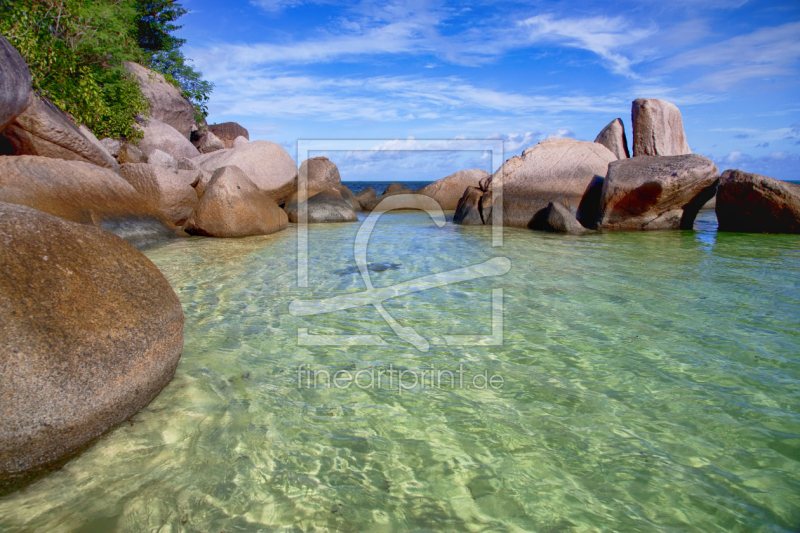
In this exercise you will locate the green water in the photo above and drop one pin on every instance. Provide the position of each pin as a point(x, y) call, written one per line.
point(651, 383)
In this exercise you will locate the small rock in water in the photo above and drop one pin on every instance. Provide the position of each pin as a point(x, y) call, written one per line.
point(373, 267)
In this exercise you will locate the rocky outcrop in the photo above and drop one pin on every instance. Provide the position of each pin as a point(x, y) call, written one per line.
point(757, 204)
point(162, 159)
point(364, 196)
point(320, 171)
point(232, 206)
point(468, 210)
point(556, 170)
point(558, 219)
point(206, 142)
point(129, 153)
point(613, 138)
point(83, 193)
point(170, 192)
point(15, 84)
point(267, 165)
point(90, 333)
point(43, 130)
point(657, 128)
point(239, 141)
point(391, 190)
point(449, 190)
point(325, 204)
point(161, 136)
point(167, 103)
point(349, 197)
point(227, 132)
point(112, 146)
point(650, 192)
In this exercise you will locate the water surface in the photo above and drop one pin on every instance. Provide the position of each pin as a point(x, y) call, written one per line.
point(651, 383)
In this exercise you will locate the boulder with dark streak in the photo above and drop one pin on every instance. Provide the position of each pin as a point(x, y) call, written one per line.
point(757, 204)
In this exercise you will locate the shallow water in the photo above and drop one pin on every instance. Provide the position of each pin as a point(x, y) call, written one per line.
point(651, 383)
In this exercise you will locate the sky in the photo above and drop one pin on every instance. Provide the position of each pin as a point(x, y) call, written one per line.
point(520, 72)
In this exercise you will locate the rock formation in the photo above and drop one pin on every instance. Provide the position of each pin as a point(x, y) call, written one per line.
point(227, 132)
point(657, 128)
point(170, 192)
point(651, 192)
point(91, 332)
point(757, 204)
point(15, 84)
point(613, 138)
point(167, 103)
point(449, 190)
point(161, 136)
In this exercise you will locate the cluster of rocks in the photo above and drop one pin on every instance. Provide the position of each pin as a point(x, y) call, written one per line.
point(564, 185)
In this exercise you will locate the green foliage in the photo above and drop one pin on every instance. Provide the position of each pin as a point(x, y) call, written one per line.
point(75, 50)
point(155, 36)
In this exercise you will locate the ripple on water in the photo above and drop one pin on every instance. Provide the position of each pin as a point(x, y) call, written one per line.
point(651, 383)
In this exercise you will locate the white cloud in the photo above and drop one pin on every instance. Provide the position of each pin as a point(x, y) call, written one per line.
point(604, 36)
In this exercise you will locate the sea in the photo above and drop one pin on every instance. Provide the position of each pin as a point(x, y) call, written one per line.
point(405, 373)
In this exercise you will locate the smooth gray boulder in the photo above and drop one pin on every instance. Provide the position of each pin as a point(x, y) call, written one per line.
point(613, 137)
point(227, 132)
point(44, 130)
point(325, 204)
point(449, 190)
point(556, 170)
point(90, 332)
point(232, 206)
point(167, 103)
point(15, 84)
point(112, 146)
point(266, 163)
point(162, 159)
point(652, 192)
point(558, 219)
point(657, 128)
point(161, 136)
point(750, 203)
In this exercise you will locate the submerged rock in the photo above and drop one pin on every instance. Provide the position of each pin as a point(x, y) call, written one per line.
point(325, 204)
point(558, 219)
point(372, 267)
point(649, 192)
point(90, 332)
point(365, 196)
point(753, 203)
point(657, 128)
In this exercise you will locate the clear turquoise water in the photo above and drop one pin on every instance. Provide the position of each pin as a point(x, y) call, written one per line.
point(651, 383)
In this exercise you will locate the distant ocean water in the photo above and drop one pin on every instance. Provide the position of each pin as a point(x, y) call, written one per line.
point(380, 186)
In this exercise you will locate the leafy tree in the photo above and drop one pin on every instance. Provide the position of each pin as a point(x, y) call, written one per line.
point(155, 28)
point(76, 50)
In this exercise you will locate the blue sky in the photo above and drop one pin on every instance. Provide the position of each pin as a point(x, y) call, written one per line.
point(517, 71)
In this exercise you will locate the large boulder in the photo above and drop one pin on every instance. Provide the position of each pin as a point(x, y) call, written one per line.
point(83, 193)
point(558, 219)
point(364, 196)
point(468, 211)
point(325, 204)
point(319, 171)
point(43, 130)
point(232, 206)
point(90, 332)
point(650, 192)
point(613, 138)
point(449, 190)
point(391, 190)
point(206, 142)
point(167, 103)
point(162, 159)
point(267, 164)
point(130, 153)
point(169, 191)
point(757, 204)
point(657, 128)
point(227, 132)
point(556, 170)
point(15, 84)
point(112, 146)
point(161, 136)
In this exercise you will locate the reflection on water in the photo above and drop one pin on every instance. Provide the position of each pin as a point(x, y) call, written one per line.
point(651, 383)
